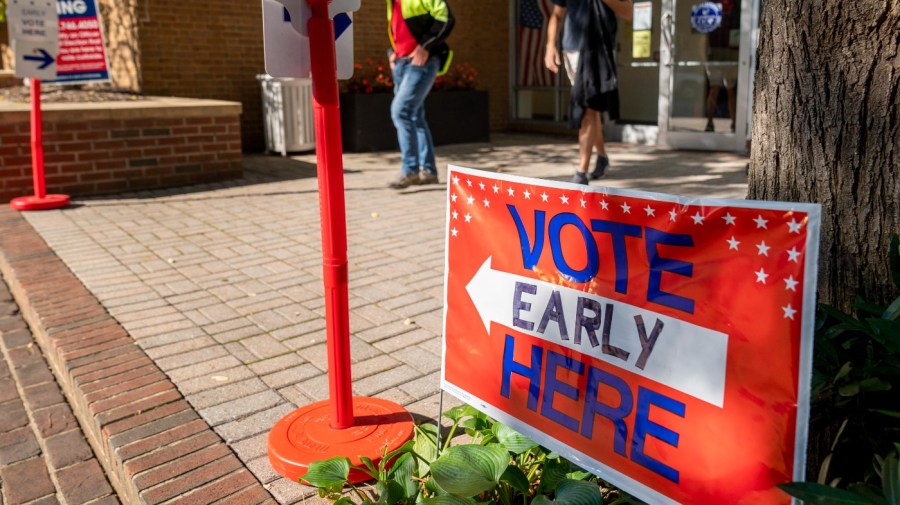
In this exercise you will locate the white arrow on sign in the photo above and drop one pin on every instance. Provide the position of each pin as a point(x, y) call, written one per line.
point(681, 355)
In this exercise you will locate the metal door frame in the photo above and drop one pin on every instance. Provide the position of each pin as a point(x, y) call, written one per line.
point(707, 141)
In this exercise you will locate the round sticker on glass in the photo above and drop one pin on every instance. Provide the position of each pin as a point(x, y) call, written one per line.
point(706, 16)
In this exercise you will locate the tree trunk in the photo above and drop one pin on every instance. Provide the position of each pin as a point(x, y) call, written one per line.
point(826, 129)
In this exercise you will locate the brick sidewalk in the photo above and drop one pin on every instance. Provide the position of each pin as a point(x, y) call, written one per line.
point(44, 457)
point(152, 443)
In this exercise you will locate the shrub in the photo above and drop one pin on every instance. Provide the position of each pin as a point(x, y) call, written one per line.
point(855, 408)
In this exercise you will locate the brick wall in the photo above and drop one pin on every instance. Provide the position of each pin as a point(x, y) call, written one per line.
point(98, 152)
point(205, 49)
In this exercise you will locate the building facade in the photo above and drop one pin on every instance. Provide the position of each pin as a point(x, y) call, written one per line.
point(684, 66)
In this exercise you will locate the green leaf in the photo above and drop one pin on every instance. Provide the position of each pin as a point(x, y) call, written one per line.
point(890, 479)
point(406, 447)
point(870, 384)
point(516, 479)
point(448, 499)
point(329, 474)
point(403, 471)
point(467, 470)
point(889, 413)
point(541, 500)
point(552, 474)
point(425, 447)
point(514, 441)
point(843, 372)
point(576, 492)
point(457, 413)
point(820, 494)
point(369, 464)
point(869, 492)
point(893, 311)
point(389, 492)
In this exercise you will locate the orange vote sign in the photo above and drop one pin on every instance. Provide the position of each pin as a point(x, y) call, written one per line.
point(663, 343)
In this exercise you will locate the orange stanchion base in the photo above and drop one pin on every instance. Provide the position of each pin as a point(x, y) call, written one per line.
point(35, 203)
point(305, 436)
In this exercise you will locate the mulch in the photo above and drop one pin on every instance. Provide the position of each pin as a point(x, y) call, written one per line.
point(51, 93)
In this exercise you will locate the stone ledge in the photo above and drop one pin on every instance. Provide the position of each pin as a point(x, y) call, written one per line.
point(157, 107)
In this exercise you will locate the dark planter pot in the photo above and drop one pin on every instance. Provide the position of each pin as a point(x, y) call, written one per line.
point(453, 116)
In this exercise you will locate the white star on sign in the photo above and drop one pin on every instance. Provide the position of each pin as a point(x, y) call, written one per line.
point(564, 199)
point(455, 180)
point(789, 312)
point(626, 208)
point(762, 248)
point(455, 215)
point(481, 185)
point(729, 219)
point(672, 215)
point(496, 188)
point(650, 211)
point(468, 217)
point(544, 196)
point(486, 202)
point(793, 254)
point(791, 284)
point(794, 226)
point(454, 231)
point(733, 243)
point(760, 222)
point(511, 191)
point(453, 197)
point(583, 202)
point(604, 205)
point(469, 182)
point(470, 200)
point(527, 195)
point(761, 276)
point(698, 218)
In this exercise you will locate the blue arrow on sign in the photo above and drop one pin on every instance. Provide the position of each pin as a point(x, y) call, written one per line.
point(341, 22)
point(45, 58)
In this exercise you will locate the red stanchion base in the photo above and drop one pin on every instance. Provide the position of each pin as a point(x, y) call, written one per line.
point(34, 203)
point(305, 436)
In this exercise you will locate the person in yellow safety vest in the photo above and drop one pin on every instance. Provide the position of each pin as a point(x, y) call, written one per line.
point(418, 30)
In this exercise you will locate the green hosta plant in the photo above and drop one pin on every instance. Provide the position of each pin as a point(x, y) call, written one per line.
point(856, 404)
point(496, 465)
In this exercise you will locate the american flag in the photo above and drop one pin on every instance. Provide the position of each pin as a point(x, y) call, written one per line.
point(532, 38)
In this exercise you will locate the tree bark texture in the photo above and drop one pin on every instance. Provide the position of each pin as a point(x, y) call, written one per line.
point(826, 129)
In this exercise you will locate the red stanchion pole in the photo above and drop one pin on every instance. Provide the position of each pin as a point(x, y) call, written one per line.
point(352, 427)
point(41, 200)
point(332, 209)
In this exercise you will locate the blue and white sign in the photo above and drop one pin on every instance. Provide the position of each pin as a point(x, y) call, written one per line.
point(706, 16)
point(34, 37)
point(286, 42)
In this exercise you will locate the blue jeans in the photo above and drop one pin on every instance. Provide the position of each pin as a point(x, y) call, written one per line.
point(411, 86)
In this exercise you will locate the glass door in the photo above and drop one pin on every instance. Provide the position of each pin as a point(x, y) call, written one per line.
point(705, 72)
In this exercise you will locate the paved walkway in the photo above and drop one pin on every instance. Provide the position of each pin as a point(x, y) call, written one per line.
point(219, 288)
